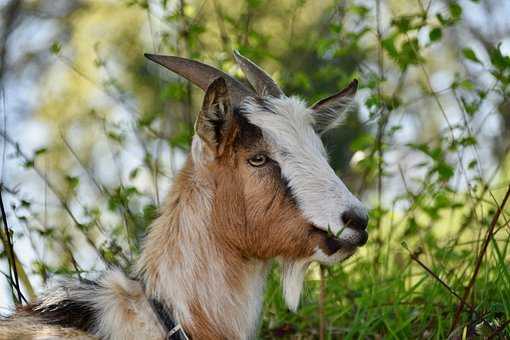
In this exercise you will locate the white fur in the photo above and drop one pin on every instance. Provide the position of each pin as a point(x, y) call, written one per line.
point(321, 195)
point(119, 292)
point(293, 275)
point(198, 152)
point(109, 299)
point(323, 258)
point(329, 117)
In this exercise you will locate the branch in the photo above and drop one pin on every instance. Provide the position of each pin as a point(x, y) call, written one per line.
point(485, 245)
point(322, 299)
point(11, 13)
point(10, 251)
point(57, 194)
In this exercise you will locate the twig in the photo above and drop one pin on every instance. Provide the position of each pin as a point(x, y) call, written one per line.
point(415, 258)
point(384, 118)
point(10, 248)
point(87, 169)
point(322, 299)
point(485, 245)
point(56, 192)
point(11, 13)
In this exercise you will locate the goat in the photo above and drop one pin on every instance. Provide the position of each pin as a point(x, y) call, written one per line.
point(256, 186)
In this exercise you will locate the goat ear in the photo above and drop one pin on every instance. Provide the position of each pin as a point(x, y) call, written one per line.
point(215, 120)
point(328, 112)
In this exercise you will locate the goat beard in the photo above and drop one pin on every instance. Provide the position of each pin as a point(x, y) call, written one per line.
point(293, 276)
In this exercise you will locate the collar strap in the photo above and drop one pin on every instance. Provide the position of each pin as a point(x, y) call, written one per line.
point(173, 329)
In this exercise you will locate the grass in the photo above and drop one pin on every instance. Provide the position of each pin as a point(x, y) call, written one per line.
point(395, 291)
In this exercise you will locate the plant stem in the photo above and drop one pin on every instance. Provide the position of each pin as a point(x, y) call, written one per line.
point(322, 298)
point(488, 238)
point(10, 250)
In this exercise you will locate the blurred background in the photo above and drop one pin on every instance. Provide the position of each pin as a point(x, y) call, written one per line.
point(92, 135)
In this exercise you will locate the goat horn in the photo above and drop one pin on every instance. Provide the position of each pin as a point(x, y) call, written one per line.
point(201, 75)
point(258, 78)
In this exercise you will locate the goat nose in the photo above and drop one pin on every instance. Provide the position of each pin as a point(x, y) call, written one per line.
point(355, 219)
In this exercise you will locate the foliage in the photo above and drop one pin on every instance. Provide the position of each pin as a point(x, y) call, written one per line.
point(427, 148)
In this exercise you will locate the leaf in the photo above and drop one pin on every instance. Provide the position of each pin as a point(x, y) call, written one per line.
point(435, 34)
point(115, 136)
point(468, 141)
point(455, 10)
point(29, 163)
point(361, 11)
point(403, 23)
point(40, 151)
point(410, 54)
point(72, 181)
point(472, 164)
point(499, 60)
point(470, 54)
point(467, 85)
point(55, 48)
point(389, 45)
point(445, 171)
point(134, 173)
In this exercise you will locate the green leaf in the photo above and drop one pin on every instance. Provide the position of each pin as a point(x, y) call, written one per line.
point(403, 23)
point(134, 173)
point(470, 54)
point(29, 163)
point(116, 136)
point(55, 48)
point(467, 85)
point(410, 54)
point(472, 164)
point(445, 171)
point(361, 11)
point(468, 141)
point(499, 60)
point(72, 181)
point(389, 45)
point(40, 151)
point(455, 10)
point(435, 34)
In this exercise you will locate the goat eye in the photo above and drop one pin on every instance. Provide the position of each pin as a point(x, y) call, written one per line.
point(258, 160)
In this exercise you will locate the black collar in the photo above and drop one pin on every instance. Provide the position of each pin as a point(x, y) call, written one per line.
point(173, 329)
